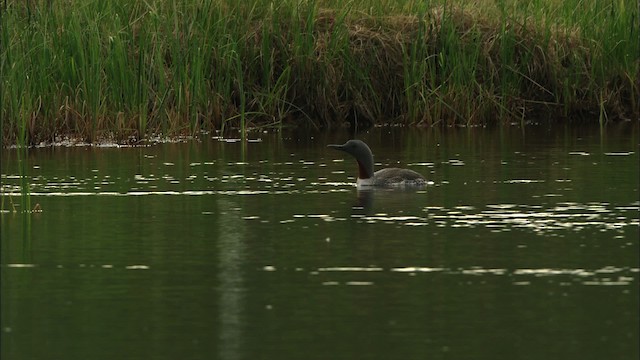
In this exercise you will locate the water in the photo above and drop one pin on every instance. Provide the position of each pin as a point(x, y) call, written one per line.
point(524, 247)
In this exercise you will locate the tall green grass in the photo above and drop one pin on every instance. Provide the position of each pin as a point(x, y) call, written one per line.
point(127, 70)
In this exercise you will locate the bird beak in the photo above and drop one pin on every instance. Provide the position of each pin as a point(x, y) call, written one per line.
point(337, 147)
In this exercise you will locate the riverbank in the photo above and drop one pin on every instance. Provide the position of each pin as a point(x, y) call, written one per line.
point(129, 70)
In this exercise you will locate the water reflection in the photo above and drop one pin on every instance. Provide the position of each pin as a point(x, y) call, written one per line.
point(561, 216)
point(605, 276)
point(364, 203)
point(552, 221)
point(231, 262)
point(258, 250)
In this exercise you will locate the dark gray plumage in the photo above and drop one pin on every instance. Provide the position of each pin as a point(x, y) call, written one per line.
point(385, 177)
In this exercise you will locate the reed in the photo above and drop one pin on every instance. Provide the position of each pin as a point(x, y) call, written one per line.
point(121, 69)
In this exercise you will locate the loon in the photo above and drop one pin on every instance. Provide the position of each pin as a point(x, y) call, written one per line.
point(389, 177)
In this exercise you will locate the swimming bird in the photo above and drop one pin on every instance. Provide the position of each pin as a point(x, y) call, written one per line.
point(388, 177)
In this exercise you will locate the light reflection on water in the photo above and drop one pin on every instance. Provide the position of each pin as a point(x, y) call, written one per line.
point(606, 276)
point(231, 279)
point(272, 252)
point(500, 217)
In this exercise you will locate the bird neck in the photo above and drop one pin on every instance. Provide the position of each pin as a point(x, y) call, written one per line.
point(365, 170)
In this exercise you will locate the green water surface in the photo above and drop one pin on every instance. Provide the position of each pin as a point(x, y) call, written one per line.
point(525, 246)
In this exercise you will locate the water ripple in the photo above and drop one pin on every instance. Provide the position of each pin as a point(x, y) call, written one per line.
point(605, 276)
point(560, 216)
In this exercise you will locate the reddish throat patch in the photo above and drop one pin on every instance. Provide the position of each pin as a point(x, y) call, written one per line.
point(362, 173)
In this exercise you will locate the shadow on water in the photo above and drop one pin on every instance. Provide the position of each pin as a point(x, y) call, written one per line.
point(364, 203)
point(366, 199)
point(525, 243)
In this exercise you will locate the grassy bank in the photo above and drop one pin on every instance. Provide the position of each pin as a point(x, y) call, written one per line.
point(130, 69)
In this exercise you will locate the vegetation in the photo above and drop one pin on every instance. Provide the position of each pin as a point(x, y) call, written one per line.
point(123, 69)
